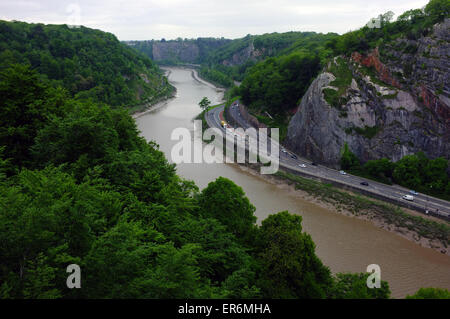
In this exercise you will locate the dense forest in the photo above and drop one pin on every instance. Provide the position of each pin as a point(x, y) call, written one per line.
point(89, 64)
point(79, 186)
point(276, 85)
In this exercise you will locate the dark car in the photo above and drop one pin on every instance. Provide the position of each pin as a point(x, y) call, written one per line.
point(314, 164)
point(365, 183)
point(294, 156)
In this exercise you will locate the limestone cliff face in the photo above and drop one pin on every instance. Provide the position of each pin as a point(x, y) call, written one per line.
point(180, 51)
point(398, 103)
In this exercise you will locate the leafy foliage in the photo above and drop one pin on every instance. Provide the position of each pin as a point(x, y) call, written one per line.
point(277, 84)
point(416, 172)
point(89, 191)
point(226, 201)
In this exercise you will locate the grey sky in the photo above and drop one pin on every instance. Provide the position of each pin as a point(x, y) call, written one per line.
point(155, 19)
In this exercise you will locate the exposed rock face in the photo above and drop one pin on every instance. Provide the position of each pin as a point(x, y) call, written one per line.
point(249, 53)
point(242, 56)
point(399, 109)
point(182, 51)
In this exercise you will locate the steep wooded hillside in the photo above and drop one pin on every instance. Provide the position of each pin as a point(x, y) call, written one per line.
point(88, 63)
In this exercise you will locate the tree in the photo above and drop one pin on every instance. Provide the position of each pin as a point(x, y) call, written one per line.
point(132, 261)
point(277, 84)
point(438, 9)
point(47, 221)
point(430, 293)
point(204, 103)
point(226, 202)
point(435, 175)
point(289, 265)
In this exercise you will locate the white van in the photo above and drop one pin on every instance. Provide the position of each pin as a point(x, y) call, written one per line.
point(408, 197)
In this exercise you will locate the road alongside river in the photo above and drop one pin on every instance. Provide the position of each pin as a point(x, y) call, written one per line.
point(345, 244)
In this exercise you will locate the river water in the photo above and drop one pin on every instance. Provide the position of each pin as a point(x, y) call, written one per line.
point(345, 244)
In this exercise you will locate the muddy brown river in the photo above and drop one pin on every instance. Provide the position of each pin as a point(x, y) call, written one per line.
point(345, 244)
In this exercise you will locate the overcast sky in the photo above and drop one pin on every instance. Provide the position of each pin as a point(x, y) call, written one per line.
point(169, 19)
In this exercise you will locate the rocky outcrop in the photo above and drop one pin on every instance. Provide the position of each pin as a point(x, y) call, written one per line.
point(397, 104)
point(372, 60)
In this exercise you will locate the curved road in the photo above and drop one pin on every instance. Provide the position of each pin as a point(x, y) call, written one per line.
point(292, 161)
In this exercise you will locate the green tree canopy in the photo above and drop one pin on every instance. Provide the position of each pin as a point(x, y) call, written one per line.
point(430, 293)
point(289, 265)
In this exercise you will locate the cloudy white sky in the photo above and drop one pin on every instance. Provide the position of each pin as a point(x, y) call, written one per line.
point(169, 19)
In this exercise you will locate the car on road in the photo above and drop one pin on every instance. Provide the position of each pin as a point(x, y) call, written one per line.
point(314, 164)
point(342, 173)
point(283, 150)
point(302, 165)
point(413, 192)
point(408, 197)
point(293, 156)
point(364, 183)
